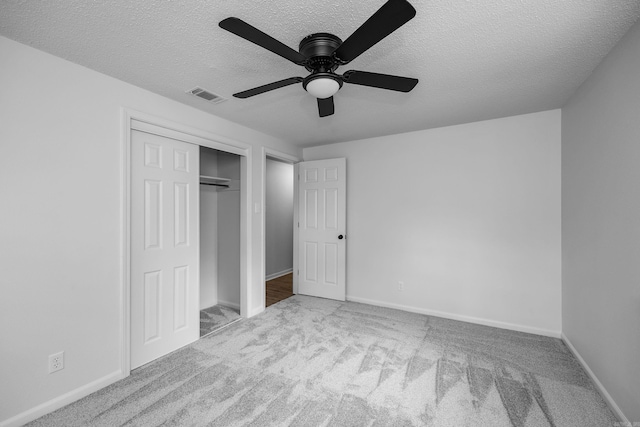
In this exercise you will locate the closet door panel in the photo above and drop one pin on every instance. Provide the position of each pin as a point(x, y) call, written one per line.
point(181, 213)
point(152, 306)
point(153, 214)
point(164, 246)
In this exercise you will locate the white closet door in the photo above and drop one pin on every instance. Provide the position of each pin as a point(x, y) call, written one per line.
point(164, 246)
point(322, 226)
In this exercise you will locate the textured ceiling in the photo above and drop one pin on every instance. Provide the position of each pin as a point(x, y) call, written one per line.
point(475, 60)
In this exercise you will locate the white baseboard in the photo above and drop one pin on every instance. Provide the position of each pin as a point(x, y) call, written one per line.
point(60, 401)
point(229, 304)
point(603, 391)
point(278, 274)
point(452, 316)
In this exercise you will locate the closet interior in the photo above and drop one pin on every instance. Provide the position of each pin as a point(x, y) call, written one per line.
point(219, 239)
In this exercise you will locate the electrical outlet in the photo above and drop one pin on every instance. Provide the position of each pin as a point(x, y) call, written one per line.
point(56, 362)
point(400, 286)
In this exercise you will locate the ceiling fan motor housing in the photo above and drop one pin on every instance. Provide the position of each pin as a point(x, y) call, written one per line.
point(318, 49)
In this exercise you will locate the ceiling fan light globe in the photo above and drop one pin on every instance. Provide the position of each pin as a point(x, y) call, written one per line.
point(323, 87)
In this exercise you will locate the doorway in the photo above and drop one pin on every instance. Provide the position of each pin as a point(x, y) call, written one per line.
point(319, 226)
point(279, 273)
point(279, 202)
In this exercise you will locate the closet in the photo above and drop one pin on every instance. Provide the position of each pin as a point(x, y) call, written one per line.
point(219, 239)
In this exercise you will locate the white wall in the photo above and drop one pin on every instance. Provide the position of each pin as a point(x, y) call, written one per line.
point(60, 226)
point(229, 233)
point(467, 216)
point(208, 230)
point(601, 223)
point(278, 218)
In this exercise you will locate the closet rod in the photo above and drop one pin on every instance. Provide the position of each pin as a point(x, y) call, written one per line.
point(217, 185)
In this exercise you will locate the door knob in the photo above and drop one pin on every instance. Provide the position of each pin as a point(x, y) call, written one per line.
point(341, 237)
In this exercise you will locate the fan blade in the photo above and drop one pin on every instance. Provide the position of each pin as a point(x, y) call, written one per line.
point(266, 88)
point(382, 81)
point(325, 106)
point(391, 16)
point(240, 28)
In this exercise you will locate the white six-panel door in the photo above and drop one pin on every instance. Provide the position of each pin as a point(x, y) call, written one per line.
point(322, 228)
point(164, 246)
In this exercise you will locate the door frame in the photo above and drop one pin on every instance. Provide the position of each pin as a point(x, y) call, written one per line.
point(293, 160)
point(136, 120)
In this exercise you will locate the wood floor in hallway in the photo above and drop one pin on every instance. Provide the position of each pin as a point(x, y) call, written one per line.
point(279, 288)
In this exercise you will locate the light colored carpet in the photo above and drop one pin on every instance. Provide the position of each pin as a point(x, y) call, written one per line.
point(216, 317)
point(314, 362)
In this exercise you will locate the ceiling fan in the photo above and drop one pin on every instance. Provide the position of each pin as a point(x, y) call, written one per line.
point(323, 53)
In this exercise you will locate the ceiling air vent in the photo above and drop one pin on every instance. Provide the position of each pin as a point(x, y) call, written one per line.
point(206, 95)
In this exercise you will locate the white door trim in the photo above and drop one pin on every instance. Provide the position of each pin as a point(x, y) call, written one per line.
point(135, 120)
point(288, 158)
point(296, 227)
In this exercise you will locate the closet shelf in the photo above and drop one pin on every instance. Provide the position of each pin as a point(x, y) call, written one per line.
point(215, 180)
